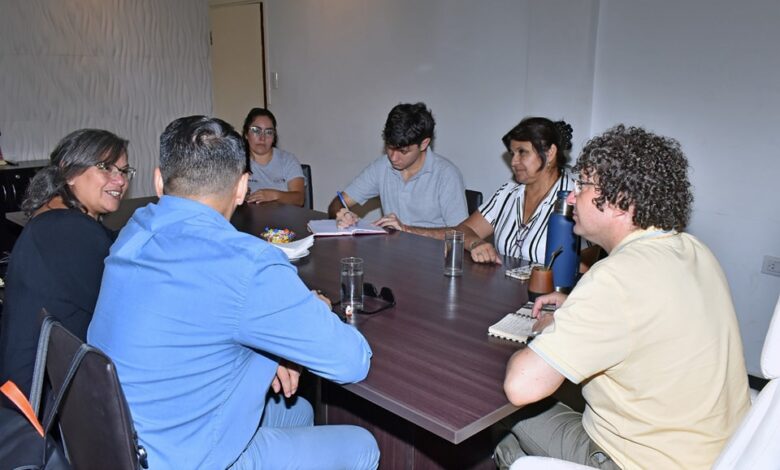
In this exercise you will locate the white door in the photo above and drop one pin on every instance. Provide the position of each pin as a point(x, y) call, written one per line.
point(237, 65)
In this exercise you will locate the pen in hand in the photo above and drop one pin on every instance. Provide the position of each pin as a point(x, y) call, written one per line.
point(348, 218)
point(544, 319)
point(341, 199)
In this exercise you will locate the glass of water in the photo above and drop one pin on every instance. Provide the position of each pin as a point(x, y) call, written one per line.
point(453, 253)
point(352, 283)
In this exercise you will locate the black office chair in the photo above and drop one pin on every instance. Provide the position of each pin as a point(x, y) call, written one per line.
point(473, 200)
point(308, 201)
point(95, 421)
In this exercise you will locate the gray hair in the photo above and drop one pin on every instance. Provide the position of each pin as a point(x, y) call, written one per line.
point(74, 154)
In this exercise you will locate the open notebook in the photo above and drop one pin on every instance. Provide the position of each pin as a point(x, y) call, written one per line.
point(328, 228)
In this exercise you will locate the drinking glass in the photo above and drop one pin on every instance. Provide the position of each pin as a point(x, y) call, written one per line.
point(453, 253)
point(352, 283)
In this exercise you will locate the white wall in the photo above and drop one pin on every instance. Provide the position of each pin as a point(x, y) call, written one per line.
point(707, 73)
point(704, 72)
point(126, 66)
point(480, 67)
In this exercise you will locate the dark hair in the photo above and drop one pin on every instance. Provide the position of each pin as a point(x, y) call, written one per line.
point(633, 167)
point(200, 156)
point(543, 133)
point(408, 124)
point(252, 115)
point(73, 155)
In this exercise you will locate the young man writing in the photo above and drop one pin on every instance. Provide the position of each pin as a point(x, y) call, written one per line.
point(415, 185)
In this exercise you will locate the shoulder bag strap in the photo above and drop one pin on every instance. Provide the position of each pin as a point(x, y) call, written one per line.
point(40, 361)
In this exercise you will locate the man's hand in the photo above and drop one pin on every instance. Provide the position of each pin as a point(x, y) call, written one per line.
point(286, 380)
point(391, 221)
point(485, 253)
point(346, 218)
point(553, 298)
point(263, 195)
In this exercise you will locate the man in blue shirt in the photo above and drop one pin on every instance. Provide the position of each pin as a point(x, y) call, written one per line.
point(201, 320)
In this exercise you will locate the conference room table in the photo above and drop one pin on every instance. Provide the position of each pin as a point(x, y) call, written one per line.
point(435, 383)
point(114, 221)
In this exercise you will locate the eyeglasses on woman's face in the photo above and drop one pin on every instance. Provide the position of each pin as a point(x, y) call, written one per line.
point(112, 170)
point(259, 131)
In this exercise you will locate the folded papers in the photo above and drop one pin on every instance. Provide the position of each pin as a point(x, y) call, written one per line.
point(296, 249)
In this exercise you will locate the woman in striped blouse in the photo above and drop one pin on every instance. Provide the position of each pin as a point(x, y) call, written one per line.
point(517, 214)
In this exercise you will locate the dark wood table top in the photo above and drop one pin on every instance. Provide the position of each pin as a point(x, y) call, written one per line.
point(117, 220)
point(13, 165)
point(433, 362)
point(17, 217)
point(114, 221)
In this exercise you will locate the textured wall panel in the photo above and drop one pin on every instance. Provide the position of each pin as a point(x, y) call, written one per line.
point(129, 66)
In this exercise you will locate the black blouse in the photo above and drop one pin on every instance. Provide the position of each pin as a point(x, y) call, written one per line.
point(57, 264)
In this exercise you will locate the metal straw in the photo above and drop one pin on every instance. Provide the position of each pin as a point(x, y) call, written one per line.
point(553, 256)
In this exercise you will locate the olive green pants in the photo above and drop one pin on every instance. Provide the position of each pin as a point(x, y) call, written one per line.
point(549, 429)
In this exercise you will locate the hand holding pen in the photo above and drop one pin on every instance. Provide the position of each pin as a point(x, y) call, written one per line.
point(544, 309)
point(548, 303)
point(344, 217)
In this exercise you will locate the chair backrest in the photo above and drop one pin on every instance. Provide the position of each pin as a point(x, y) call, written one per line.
point(308, 201)
point(95, 421)
point(754, 444)
point(473, 200)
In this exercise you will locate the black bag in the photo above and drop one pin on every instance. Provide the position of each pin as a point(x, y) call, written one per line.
point(24, 443)
point(22, 447)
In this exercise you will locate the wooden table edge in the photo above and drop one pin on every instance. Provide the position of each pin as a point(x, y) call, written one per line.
point(433, 425)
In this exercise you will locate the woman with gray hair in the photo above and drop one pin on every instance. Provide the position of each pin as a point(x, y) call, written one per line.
point(57, 262)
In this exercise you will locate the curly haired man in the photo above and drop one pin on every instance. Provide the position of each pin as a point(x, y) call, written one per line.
point(650, 332)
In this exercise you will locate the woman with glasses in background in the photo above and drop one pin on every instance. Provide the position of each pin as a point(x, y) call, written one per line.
point(276, 175)
point(517, 214)
point(57, 262)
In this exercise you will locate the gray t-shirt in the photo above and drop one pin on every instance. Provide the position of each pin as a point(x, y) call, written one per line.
point(282, 168)
point(434, 197)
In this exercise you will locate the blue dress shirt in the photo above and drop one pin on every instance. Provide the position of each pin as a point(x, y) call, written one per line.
point(196, 315)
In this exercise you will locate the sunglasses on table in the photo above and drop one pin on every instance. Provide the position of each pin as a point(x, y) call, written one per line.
point(374, 301)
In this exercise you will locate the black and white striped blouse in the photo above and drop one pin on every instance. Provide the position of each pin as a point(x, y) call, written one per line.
point(504, 213)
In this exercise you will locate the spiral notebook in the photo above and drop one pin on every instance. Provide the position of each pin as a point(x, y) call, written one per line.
point(515, 326)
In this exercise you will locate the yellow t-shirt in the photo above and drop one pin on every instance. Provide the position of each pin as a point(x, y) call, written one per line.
point(652, 334)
